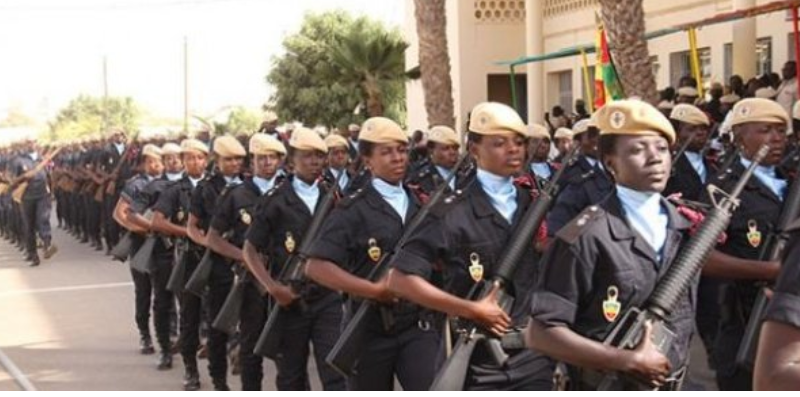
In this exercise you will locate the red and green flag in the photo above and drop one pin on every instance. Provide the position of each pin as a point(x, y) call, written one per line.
point(607, 86)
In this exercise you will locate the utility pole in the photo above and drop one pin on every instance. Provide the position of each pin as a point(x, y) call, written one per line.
point(185, 85)
point(105, 93)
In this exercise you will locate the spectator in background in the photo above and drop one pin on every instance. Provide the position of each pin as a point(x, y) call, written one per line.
point(713, 107)
point(580, 110)
point(787, 91)
point(737, 85)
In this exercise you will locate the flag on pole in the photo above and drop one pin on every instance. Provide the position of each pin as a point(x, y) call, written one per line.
point(606, 82)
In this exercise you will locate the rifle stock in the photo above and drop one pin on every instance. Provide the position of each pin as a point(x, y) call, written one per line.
point(178, 274)
point(142, 260)
point(122, 250)
point(627, 333)
point(228, 317)
point(199, 278)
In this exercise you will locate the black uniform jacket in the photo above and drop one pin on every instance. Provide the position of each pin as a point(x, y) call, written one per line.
point(583, 186)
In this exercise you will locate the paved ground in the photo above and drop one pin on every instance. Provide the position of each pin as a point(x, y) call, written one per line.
point(68, 325)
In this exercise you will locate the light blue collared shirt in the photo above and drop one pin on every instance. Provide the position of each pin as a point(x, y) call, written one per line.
point(768, 177)
point(34, 156)
point(541, 170)
point(232, 181)
point(645, 213)
point(308, 193)
point(264, 185)
point(592, 161)
point(696, 160)
point(174, 177)
point(395, 195)
point(345, 178)
point(445, 173)
point(501, 191)
point(194, 182)
point(120, 147)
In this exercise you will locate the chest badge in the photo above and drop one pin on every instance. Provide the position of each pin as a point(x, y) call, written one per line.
point(475, 267)
point(245, 217)
point(180, 215)
point(289, 244)
point(373, 251)
point(753, 235)
point(611, 307)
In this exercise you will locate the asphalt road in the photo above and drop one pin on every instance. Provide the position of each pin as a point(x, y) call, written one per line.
point(68, 325)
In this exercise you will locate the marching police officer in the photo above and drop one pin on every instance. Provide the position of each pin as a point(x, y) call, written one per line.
point(691, 171)
point(467, 234)
point(443, 147)
point(234, 216)
point(610, 259)
point(755, 122)
point(352, 240)
point(338, 162)
point(311, 313)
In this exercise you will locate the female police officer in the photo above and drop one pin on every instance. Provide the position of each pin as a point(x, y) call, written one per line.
point(351, 242)
point(611, 256)
point(467, 235)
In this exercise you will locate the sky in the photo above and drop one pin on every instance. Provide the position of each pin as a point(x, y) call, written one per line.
point(53, 50)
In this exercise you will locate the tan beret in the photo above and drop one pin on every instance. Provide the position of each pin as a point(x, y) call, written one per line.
point(766, 93)
point(563, 133)
point(687, 91)
point(729, 99)
point(382, 130)
point(194, 145)
point(538, 131)
point(336, 140)
point(354, 128)
point(270, 117)
point(633, 117)
point(171, 148)
point(581, 126)
point(755, 110)
point(152, 151)
point(444, 135)
point(666, 105)
point(796, 111)
point(493, 118)
point(262, 144)
point(228, 146)
point(689, 114)
point(306, 139)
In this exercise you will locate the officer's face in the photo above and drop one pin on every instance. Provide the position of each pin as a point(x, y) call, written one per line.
point(641, 163)
point(337, 157)
point(308, 164)
point(445, 155)
point(589, 141)
point(502, 155)
point(539, 149)
point(266, 165)
point(153, 166)
point(173, 163)
point(700, 136)
point(230, 166)
point(388, 161)
point(195, 163)
point(564, 145)
point(751, 136)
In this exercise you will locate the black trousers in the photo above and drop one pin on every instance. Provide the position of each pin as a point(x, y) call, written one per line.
point(163, 300)
point(410, 355)
point(525, 370)
point(112, 228)
point(191, 313)
point(143, 290)
point(36, 218)
point(219, 286)
point(253, 317)
point(319, 325)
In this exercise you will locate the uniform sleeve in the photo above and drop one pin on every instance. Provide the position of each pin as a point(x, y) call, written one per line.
point(785, 304)
point(166, 203)
point(565, 277)
point(129, 191)
point(224, 217)
point(422, 250)
point(143, 199)
point(568, 205)
point(335, 237)
point(258, 234)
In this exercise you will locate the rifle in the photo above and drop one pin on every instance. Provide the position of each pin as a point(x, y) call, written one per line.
point(453, 373)
point(199, 279)
point(627, 333)
point(142, 259)
point(178, 274)
point(346, 352)
point(682, 149)
point(19, 186)
point(772, 251)
point(728, 162)
point(122, 250)
point(229, 314)
point(112, 186)
point(269, 341)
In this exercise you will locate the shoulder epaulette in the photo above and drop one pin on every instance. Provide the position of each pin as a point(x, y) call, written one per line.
point(350, 198)
point(575, 228)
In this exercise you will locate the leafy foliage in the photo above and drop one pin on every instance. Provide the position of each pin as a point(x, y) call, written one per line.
point(84, 115)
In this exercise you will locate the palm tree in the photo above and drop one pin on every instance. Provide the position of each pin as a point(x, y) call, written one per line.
point(624, 24)
point(371, 59)
point(434, 61)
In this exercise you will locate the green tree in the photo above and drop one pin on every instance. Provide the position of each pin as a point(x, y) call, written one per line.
point(309, 86)
point(86, 114)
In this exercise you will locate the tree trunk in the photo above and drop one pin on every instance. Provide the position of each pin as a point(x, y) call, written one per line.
point(373, 96)
point(624, 23)
point(434, 61)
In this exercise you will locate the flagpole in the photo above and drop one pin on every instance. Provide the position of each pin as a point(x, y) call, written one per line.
point(695, 60)
point(589, 96)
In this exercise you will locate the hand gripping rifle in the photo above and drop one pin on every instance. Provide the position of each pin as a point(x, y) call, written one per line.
point(627, 333)
point(453, 373)
point(772, 251)
point(292, 273)
point(346, 352)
